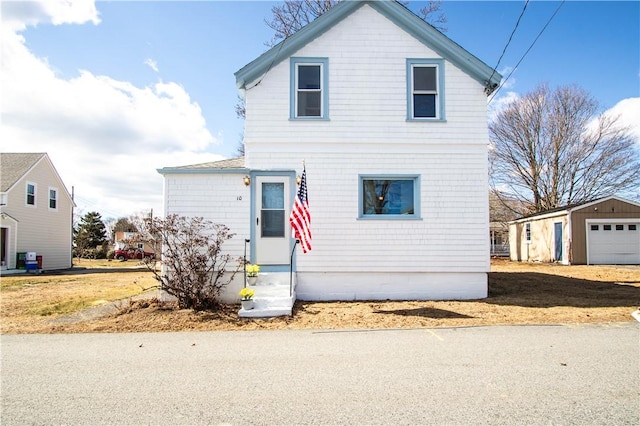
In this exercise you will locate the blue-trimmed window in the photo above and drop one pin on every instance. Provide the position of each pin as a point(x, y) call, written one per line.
point(309, 89)
point(389, 197)
point(425, 89)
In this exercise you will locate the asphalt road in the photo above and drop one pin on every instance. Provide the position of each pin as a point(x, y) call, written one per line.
point(583, 375)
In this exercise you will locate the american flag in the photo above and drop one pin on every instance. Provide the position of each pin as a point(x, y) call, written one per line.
point(300, 217)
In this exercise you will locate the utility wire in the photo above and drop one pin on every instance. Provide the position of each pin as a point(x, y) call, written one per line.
point(509, 41)
point(525, 53)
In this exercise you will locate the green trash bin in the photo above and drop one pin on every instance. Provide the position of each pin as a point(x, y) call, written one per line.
point(21, 260)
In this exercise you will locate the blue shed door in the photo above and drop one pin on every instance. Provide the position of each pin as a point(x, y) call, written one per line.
point(557, 227)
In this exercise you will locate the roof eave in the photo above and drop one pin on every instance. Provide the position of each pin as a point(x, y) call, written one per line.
point(394, 11)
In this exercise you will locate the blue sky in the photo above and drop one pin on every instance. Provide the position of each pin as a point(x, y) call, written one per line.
point(114, 90)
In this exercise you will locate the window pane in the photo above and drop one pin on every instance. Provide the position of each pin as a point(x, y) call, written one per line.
point(594, 227)
point(607, 227)
point(424, 78)
point(424, 105)
point(632, 228)
point(619, 227)
point(387, 197)
point(273, 195)
point(31, 194)
point(309, 77)
point(309, 104)
point(272, 223)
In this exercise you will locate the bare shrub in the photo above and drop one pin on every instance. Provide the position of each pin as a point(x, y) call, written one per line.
point(194, 268)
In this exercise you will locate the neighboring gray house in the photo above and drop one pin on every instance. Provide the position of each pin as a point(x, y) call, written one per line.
point(35, 212)
point(391, 118)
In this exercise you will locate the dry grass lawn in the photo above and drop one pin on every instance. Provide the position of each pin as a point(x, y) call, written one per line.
point(519, 293)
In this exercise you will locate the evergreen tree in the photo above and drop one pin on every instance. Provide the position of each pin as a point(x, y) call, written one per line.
point(91, 232)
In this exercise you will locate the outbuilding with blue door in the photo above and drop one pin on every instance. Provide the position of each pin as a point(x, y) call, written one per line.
point(605, 231)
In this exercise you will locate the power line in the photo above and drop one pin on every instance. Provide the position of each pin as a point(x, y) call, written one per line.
point(510, 38)
point(525, 53)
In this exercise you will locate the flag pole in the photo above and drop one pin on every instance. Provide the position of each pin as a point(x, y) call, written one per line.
point(291, 269)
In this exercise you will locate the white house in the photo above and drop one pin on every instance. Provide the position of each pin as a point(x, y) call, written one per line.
point(35, 212)
point(390, 117)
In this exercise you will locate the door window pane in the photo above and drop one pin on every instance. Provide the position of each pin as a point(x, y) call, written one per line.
point(272, 223)
point(273, 195)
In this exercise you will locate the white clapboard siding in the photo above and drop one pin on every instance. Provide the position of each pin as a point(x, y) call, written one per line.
point(367, 133)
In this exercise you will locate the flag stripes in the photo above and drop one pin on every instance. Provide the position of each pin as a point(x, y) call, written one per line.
point(300, 218)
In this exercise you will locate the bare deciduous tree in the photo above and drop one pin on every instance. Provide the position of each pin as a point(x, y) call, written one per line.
point(292, 15)
point(194, 266)
point(550, 148)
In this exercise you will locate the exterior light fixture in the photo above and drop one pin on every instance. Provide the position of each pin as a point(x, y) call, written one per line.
point(298, 180)
point(247, 180)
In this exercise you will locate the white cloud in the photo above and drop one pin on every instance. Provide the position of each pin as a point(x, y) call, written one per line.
point(106, 137)
point(499, 103)
point(151, 64)
point(628, 113)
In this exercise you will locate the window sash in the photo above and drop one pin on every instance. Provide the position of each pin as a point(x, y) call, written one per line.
point(424, 89)
point(425, 85)
point(31, 194)
point(53, 198)
point(308, 84)
point(389, 197)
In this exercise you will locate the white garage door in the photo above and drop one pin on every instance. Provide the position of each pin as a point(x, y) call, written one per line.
point(613, 243)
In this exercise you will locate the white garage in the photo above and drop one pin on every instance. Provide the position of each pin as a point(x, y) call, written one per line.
point(613, 242)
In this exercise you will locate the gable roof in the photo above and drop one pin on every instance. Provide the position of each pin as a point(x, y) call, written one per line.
point(228, 165)
point(392, 10)
point(568, 209)
point(16, 165)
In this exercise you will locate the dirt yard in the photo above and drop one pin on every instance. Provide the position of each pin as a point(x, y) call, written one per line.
point(519, 293)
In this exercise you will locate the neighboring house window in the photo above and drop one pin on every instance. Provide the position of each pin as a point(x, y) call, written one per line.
point(527, 231)
point(388, 197)
point(53, 198)
point(31, 194)
point(309, 91)
point(425, 89)
point(140, 246)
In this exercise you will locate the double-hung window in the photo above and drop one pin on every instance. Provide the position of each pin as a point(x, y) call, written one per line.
point(309, 94)
point(425, 89)
point(31, 194)
point(53, 198)
point(389, 197)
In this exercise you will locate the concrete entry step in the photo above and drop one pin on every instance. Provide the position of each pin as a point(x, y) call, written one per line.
point(272, 296)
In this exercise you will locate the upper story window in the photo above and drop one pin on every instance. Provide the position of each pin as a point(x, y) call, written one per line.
point(53, 198)
point(425, 89)
point(389, 197)
point(309, 91)
point(31, 194)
